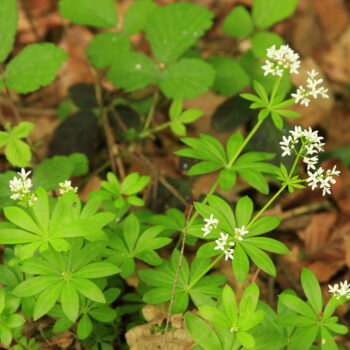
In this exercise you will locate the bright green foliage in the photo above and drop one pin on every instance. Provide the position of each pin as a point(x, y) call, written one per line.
point(174, 28)
point(17, 151)
point(63, 276)
point(233, 321)
point(46, 225)
point(8, 26)
point(275, 107)
point(132, 71)
point(186, 79)
point(9, 320)
point(251, 246)
point(261, 41)
point(312, 321)
point(268, 12)
point(24, 344)
point(136, 16)
point(230, 76)
point(35, 66)
point(173, 221)
point(88, 312)
point(104, 48)
point(291, 182)
point(122, 193)
point(97, 13)
point(178, 117)
point(50, 172)
point(238, 23)
point(132, 243)
point(213, 156)
point(191, 283)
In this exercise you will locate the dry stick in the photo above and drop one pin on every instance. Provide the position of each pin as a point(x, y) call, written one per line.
point(113, 149)
point(176, 277)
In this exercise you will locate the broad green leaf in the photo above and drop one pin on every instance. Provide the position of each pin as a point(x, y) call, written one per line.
point(190, 115)
point(186, 78)
point(18, 153)
point(249, 299)
point(244, 211)
point(174, 28)
point(233, 144)
point(216, 316)
point(34, 285)
point(103, 314)
point(312, 290)
point(238, 23)
point(260, 258)
point(157, 295)
point(70, 300)
point(14, 321)
point(227, 179)
point(8, 26)
point(336, 327)
point(47, 299)
point(204, 168)
point(84, 328)
point(294, 320)
point(303, 338)
point(37, 266)
point(261, 41)
point(255, 179)
point(132, 71)
point(180, 302)
point(88, 289)
point(230, 304)
point(22, 130)
point(207, 249)
point(136, 16)
point(97, 270)
point(246, 339)
point(269, 244)
point(4, 138)
point(8, 276)
point(41, 209)
point(240, 264)
point(226, 219)
point(131, 230)
point(16, 236)
point(178, 128)
point(268, 12)
point(297, 305)
point(105, 47)
point(230, 76)
point(202, 333)
point(175, 109)
point(97, 13)
point(35, 66)
point(327, 342)
point(20, 218)
point(263, 225)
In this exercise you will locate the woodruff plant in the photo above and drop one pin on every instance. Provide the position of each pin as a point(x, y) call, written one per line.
point(68, 260)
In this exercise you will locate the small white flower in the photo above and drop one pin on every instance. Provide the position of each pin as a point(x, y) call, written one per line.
point(221, 242)
point(65, 187)
point(280, 60)
point(339, 290)
point(287, 146)
point(322, 179)
point(20, 188)
point(211, 223)
point(313, 89)
point(240, 232)
point(310, 162)
point(228, 254)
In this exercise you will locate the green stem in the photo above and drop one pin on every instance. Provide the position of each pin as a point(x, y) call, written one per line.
point(148, 132)
point(151, 111)
point(274, 90)
point(205, 271)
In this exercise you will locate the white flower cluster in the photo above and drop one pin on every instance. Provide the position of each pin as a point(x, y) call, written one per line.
point(310, 144)
point(65, 187)
point(313, 89)
point(225, 242)
point(339, 290)
point(20, 188)
point(210, 224)
point(280, 60)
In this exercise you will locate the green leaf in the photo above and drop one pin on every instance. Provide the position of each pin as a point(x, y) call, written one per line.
point(190, 115)
point(15, 236)
point(88, 289)
point(20, 218)
point(297, 305)
point(178, 128)
point(244, 211)
point(97, 270)
point(304, 337)
point(174, 28)
point(103, 314)
point(260, 258)
point(132, 71)
point(327, 342)
point(268, 12)
point(227, 179)
point(15, 321)
point(240, 264)
point(175, 109)
point(104, 48)
point(80, 164)
point(136, 16)
point(18, 153)
point(312, 290)
point(238, 23)
point(47, 299)
point(233, 144)
point(215, 316)
point(8, 26)
point(34, 66)
point(5, 335)
point(261, 41)
point(249, 300)
point(246, 339)
point(255, 179)
point(230, 304)
point(84, 327)
point(186, 79)
point(22, 130)
point(230, 77)
point(70, 300)
point(97, 13)
point(269, 244)
point(202, 333)
point(34, 285)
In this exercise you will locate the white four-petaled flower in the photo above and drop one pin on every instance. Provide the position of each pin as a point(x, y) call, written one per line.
point(341, 289)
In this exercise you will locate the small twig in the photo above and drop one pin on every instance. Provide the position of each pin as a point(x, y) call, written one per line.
point(256, 274)
point(118, 118)
point(151, 111)
point(176, 277)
